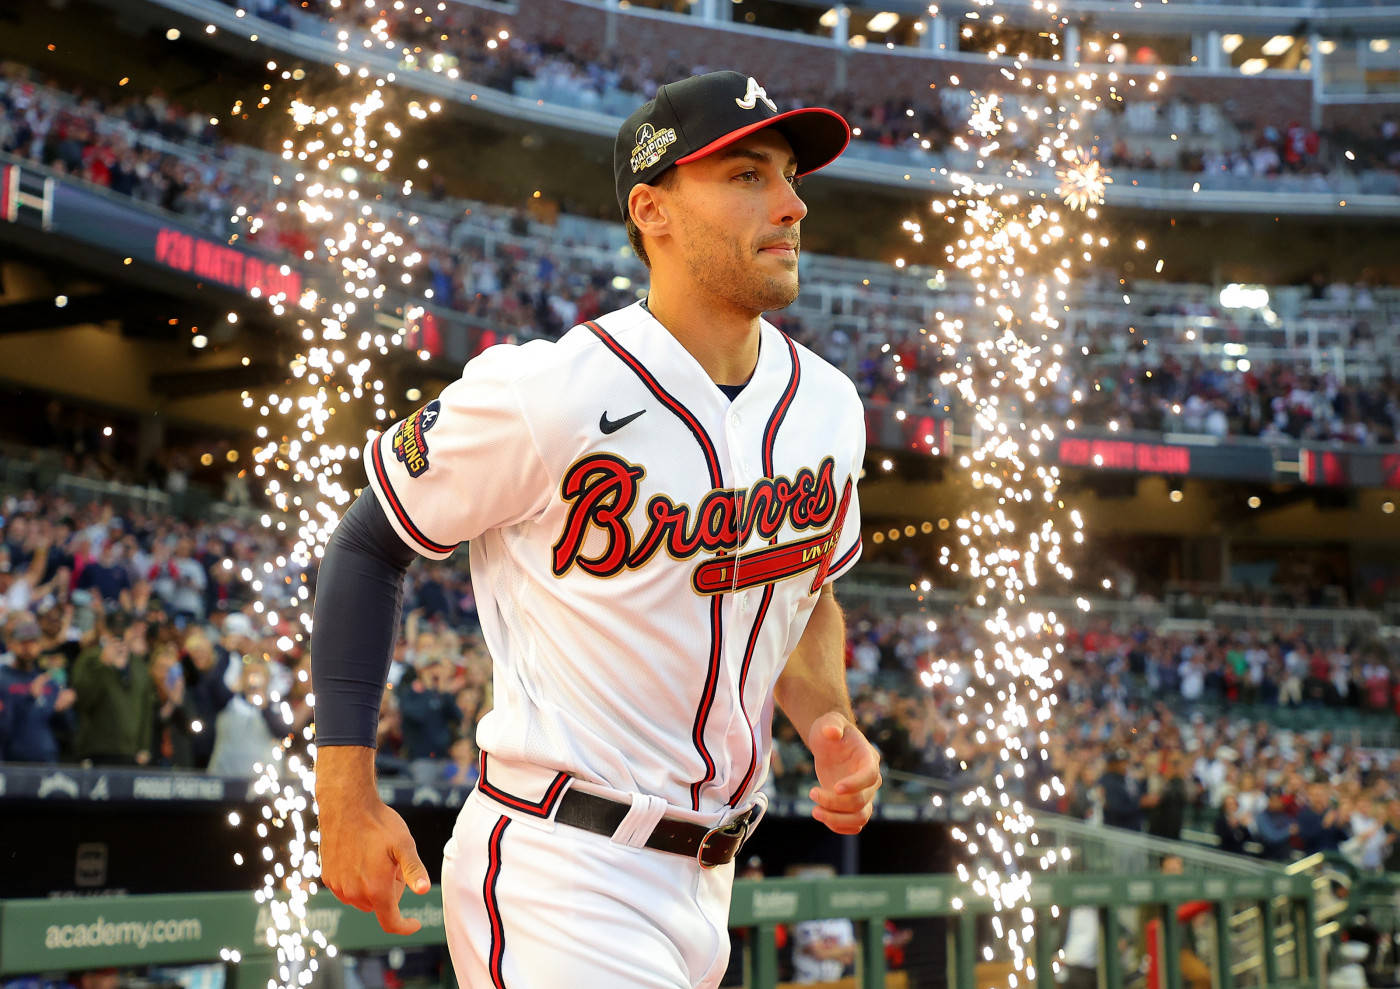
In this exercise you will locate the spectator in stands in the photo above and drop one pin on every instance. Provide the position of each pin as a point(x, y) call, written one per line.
point(107, 576)
point(1122, 799)
point(172, 742)
point(1253, 801)
point(1367, 845)
point(1276, 828)
point(464, 769)
point(238, 638)
point(792, 763)
point(1391, 862)
point(206, 671)
point(1230, 827)
point(35, 705)
point(16, 586)
point(428, 710)
point(247, 730)
point(1321, 824)
point(1167, 797)
point(115, 697)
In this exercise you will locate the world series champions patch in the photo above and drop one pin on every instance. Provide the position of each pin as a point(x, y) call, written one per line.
point(410, 443)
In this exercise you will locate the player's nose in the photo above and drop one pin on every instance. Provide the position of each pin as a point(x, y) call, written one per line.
point(788, 207)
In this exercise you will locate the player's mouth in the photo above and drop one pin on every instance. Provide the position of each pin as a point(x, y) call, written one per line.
point(780, 250)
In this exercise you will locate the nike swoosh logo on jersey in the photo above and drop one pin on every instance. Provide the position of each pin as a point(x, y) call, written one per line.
point(613, 425)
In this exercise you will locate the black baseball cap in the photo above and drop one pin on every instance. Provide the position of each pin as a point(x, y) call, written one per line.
point(695, 117)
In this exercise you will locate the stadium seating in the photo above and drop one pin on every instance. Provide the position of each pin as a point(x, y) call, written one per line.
point(1321, 364)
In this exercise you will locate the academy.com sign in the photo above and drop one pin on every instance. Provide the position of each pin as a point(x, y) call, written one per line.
point(108, 933)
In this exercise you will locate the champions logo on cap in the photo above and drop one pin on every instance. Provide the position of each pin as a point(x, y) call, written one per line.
point(652, 145)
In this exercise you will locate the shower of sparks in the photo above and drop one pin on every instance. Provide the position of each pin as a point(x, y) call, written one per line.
point(1011, 242)
point(335, 143)
point(1083, 180)
point(1019, 248)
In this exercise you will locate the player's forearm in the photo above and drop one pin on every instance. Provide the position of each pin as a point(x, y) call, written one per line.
point(344, 776)
point(359, 596)
point(813, 682)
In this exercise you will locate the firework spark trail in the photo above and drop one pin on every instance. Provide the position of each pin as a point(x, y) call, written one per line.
point(1003, 235)
point(335, 144)
point(1020, 249)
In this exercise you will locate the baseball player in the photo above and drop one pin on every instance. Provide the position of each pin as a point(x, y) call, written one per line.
point(657, 506)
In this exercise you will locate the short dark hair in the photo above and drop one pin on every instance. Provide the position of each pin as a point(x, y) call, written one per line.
point(634, 236)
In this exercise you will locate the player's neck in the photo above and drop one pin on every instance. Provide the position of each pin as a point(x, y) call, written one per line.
point(724, 342)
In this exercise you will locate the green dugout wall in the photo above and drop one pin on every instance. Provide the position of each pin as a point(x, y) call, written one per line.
point(95, 932)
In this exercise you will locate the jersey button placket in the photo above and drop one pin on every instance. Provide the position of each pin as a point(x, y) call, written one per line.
point(739, 470)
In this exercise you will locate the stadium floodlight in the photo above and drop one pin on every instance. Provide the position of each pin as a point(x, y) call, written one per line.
point(1236, 296)
point(882, 22)
point(1230, 42)
point(1277, 45)
point(1254, 66)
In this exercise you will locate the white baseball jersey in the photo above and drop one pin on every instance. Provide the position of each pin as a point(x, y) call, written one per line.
point(645, 553)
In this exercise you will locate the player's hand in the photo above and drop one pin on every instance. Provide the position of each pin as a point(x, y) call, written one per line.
point(367, 853)
point(848, 774)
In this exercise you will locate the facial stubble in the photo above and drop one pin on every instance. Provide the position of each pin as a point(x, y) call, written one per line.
point(733, 272)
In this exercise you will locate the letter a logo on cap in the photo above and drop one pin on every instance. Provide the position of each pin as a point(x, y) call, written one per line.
point(753, 94)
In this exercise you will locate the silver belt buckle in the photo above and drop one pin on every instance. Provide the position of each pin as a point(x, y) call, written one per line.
point(728, 837)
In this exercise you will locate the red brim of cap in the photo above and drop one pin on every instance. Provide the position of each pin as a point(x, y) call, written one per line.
point(817, 135)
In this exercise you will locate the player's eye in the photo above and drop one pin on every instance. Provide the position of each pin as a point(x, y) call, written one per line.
point(751, 173)
point(795, 180)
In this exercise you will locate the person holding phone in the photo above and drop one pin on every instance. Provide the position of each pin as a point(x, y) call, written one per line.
point(172, 741)
point(116, 698)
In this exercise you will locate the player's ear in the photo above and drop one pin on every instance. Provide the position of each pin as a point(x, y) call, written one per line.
point(648, 209)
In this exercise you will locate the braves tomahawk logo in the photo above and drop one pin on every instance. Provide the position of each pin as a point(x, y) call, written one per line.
point(410, 443)
point(602, 491)
point(753, 94)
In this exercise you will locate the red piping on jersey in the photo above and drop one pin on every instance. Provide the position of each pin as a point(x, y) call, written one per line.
point(666, 399)
point(707, 698)
point(377, 457)
point(707, 695)
point(493, 907)
point(743, 675)
point(770, 436)
point(535, 808)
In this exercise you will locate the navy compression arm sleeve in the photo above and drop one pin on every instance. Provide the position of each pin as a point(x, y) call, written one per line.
point(359, 597)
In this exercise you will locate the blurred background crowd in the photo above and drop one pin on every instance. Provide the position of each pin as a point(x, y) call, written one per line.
point(132, 638)
point(487, 265)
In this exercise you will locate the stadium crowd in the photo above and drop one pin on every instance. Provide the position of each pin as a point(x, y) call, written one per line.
point(519, 286)
point(133, 639)
point(1151, 734)
point(593, 77)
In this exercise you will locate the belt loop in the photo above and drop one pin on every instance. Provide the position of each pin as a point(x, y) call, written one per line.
point(641, 820)
point(758, 809)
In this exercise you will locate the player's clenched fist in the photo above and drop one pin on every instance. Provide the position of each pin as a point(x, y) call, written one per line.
point(848, 773)
point(367, 854)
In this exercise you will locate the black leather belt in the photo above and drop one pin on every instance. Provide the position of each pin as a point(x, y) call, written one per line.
point(708, 846)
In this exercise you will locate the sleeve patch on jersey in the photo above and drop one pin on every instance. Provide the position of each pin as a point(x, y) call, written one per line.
point(410, 442)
